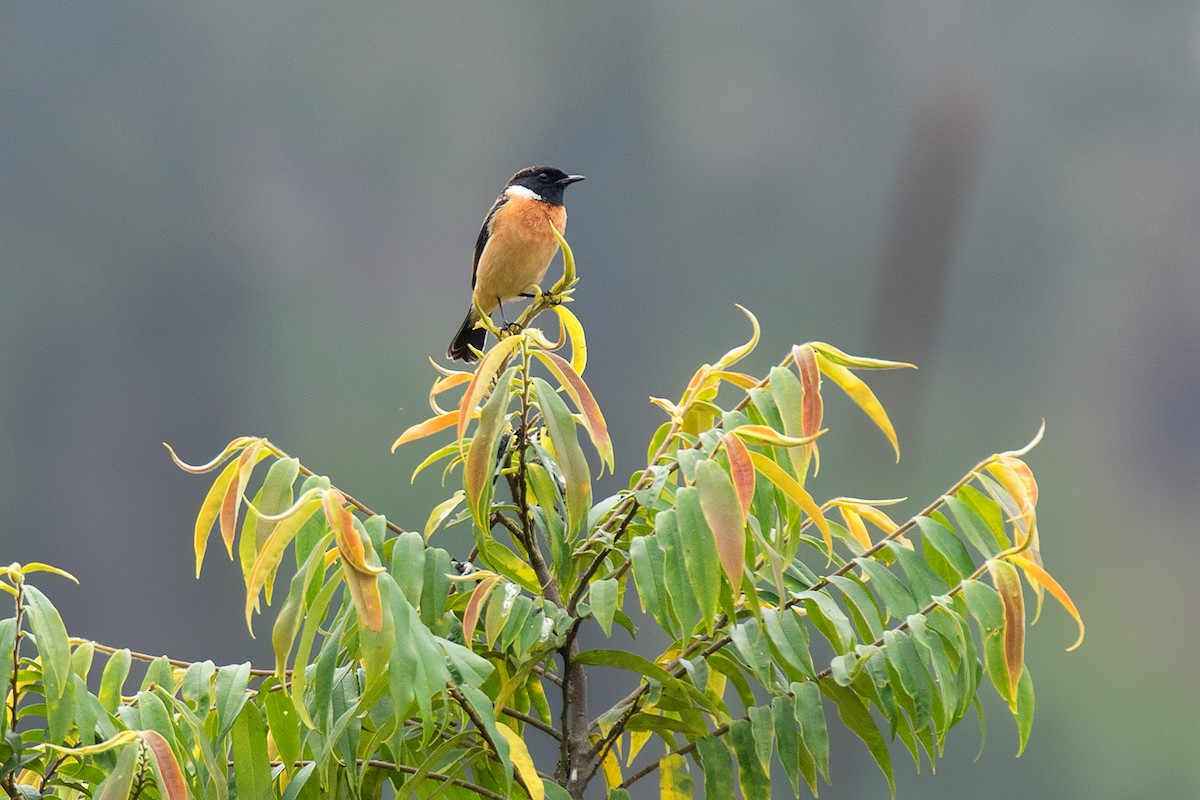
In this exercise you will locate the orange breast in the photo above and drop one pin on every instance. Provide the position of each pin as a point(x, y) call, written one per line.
point(518, 251)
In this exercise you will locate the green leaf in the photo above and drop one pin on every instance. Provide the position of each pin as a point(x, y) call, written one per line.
point(603, 599)
point(435, 586)
point(482, 707)
point(751, 775)
point(973, 528)
point(408, 565)
point(8, 638)
point(482, 463)
point(53, 645)
point(902, 655)
point(251, 765)
point(159, 673)
point(828, 619)
point(957, 561)
point(987, 510)
point(576, 476)
point(622, 659)
point(231, 695)
point(155, 717)
point(274, 496)
point(792, 756)
point(861, 603)
point(284, 724)
point(679, 586)
point(700, 551)
point(814, 736)
point(1024, 710)
point(119, 782)
point(789, 641)
point(298, 782)
point(500, 559)
point(857, 718)
point(751, 645)
point(113, 678)
point(718, 769)
point(648, 574)
point(589, 409)
point(891, 590)
point(762, 725)
point(788, 395)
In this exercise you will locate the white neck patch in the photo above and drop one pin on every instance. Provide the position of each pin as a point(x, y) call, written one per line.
point(516, 190)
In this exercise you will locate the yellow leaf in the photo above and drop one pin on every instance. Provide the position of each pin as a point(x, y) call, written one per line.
point(574, 330)
point(738, 353)
point(445, 384)
point(836, 356)
point(790, 487)
point(273, 548)
point(610, 766)
point(862, 395)
point(674, 781)
point(210, 509)
point(568, 277)
point(349, 543)
point(232, 502)
point(855, 525)
point(1035, 573)
point(522, 761)
point(764, 434)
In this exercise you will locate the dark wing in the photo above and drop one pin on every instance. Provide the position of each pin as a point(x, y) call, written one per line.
point(484, 233)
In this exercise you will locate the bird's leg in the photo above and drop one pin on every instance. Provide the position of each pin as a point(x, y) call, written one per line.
point(511, 327)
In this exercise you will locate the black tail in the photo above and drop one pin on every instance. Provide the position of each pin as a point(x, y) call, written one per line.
point(468, 336)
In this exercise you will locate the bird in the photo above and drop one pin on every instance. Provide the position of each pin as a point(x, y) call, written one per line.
point(514, 249)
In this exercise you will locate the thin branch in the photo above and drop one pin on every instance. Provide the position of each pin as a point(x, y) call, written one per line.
point(174, 662)
point(481, 728)
point(528, 719)
point(308, 473)
point(407, 770)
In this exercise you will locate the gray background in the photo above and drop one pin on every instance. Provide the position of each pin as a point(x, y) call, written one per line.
point(221, 219)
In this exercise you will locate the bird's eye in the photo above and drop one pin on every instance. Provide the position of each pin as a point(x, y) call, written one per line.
point(543, 176)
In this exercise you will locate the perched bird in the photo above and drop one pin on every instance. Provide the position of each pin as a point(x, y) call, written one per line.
point(514, 248)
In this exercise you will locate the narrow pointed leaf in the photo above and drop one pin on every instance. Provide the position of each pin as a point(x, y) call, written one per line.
point(718, 769)
point(738, 353)
point(726, 519)
point(863, 397)
point(1008, 586)
point(489, 368)
point(427, 428)
point(858, 719)
point(810, 716)
point(474, 605)
point(795, 492)
point(210, 509)
point(272, 552)
point(764, 434)
point(836, 356)
point(119, 782)
point(251, 764)
point(741, 471)
point(166, 769)
point(603, 599)
point(231, 448)
point(522, 762)
point(561, 427)
point(1036, 573)
point(751, 776)
point(674, 781)
point(232, 501)
point(574, 331)
point(581, 395)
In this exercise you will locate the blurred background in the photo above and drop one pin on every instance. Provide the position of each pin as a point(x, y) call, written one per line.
point(221, 219)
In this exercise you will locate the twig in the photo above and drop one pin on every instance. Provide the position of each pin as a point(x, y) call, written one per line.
point(528, 719)
point(407, 770)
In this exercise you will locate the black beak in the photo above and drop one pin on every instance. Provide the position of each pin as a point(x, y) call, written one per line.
point(569, 179)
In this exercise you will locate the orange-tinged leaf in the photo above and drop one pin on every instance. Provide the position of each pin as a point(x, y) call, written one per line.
point(831, 353)
point(723, 512)
point(471, 614)
point(741, 470)
point(764, 434)
point(574, 330)
point(738, 353)
point(581, 395)
point(489, 367)
point(231, 448)
point(169, 777)
point(1024, 473)
point(210, 509)
point(1024, 514)
point(272, 550)
point(862, 395)
point(855, 525)
point(426, 428)
point(813, 410)
point(795, 492)
point(445, 384)
point(1008, 586)
point(232, 502)
point(1035, 573)
point(447, 370)
point(350, 543)
point(364, 592)
point(481, 462)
